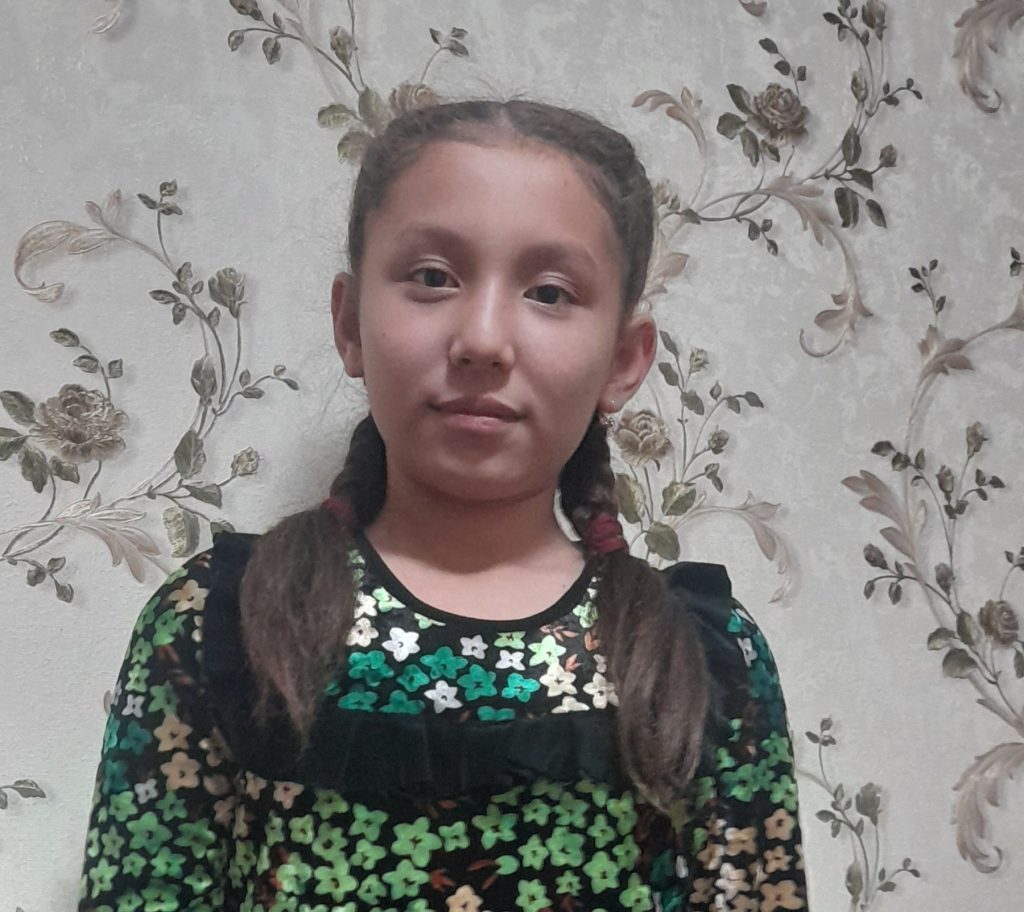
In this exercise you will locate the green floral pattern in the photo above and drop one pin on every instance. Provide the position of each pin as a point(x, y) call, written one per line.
point(177, 824)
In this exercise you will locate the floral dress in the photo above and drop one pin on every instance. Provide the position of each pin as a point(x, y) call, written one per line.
point(456, 764)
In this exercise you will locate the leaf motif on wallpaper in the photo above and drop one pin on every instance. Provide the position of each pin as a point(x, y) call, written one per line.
point(981, 784)
point(981, 29)
point(80, 429)
point(108, 19)
point(770, 125)
point(673, 475)
point(758, 514)
point(865, 878)
point(118, 529)
point(805, 201)
point(878, 497)
point(26, 788)
point(49, 237)
point(940, 493)
point(754, 7)
point(357, 107)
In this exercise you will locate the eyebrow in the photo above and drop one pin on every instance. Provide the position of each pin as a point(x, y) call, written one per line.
point(570, 254)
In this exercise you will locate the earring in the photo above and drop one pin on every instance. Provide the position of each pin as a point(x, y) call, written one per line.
point(605, 419)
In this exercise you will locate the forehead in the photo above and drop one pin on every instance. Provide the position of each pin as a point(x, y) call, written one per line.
point(510, 190)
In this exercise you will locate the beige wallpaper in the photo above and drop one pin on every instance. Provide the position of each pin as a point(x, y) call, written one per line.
point(836, 413)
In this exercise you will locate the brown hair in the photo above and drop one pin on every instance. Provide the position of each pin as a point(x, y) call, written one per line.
point(297, 593)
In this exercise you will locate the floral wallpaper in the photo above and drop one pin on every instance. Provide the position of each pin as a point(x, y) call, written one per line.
point(838, 285)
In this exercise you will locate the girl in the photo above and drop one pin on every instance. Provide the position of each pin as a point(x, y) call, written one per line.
point(423, 694)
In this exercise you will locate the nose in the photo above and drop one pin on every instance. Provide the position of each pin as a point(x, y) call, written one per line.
point(484, 329)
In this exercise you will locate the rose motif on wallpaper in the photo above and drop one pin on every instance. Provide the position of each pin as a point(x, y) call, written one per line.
point(670, 478)
point(82, 427)
point(771, 123)
point(929, 511)
point(642, 437)
point(1000, 623)
point(778, 113)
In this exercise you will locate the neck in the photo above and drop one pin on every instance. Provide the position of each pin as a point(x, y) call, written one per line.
point(468, 536)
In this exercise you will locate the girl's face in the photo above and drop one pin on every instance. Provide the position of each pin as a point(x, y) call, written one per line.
point(489, 322)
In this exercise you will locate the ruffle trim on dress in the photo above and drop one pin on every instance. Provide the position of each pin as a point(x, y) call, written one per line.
point(366, 752)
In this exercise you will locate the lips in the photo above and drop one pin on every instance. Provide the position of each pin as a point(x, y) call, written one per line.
point(479, 407)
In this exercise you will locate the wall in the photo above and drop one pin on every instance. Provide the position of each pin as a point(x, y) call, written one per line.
point(842, 346)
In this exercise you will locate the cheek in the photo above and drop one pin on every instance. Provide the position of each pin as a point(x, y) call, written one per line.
point(575, 370)
point(395, 346)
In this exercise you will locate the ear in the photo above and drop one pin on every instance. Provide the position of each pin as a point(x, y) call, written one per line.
point(345, 317)
point(634, 355)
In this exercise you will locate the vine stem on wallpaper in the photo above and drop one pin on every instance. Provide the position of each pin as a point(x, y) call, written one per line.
point(673, 477)
point(765, 123)
point(865, 876)
point(930, 371)
point(83, 425)
point(213, 377)
point(987, 651)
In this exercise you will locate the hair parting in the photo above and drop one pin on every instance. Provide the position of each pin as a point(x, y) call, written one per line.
point(298, 591)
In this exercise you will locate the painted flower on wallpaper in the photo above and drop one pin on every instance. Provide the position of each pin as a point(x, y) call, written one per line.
point(698, 360)
point(80, 424)
point(1000, 622)
point(245, 462)
point(873, 16)
point(227, 288)
point(778, 113)
point(943, 497)
point(642, 437)
point(718, 440)
point(669, 479)
point(768, 126)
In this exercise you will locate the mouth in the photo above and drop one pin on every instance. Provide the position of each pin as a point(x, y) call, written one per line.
point(479, 407)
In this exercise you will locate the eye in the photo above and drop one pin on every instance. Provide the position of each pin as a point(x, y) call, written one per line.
point(434, 276)
point(548, 294)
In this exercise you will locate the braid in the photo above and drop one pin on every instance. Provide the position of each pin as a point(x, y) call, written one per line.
point(651, 643)
point(587, 483)
point(363, 480)
point(297, 594)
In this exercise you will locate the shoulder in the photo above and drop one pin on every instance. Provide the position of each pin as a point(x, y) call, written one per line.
point(230, 552)
point(227, 559)
point(705, 591)
point(740, 661)
point(176, 612)
point(177, 603)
